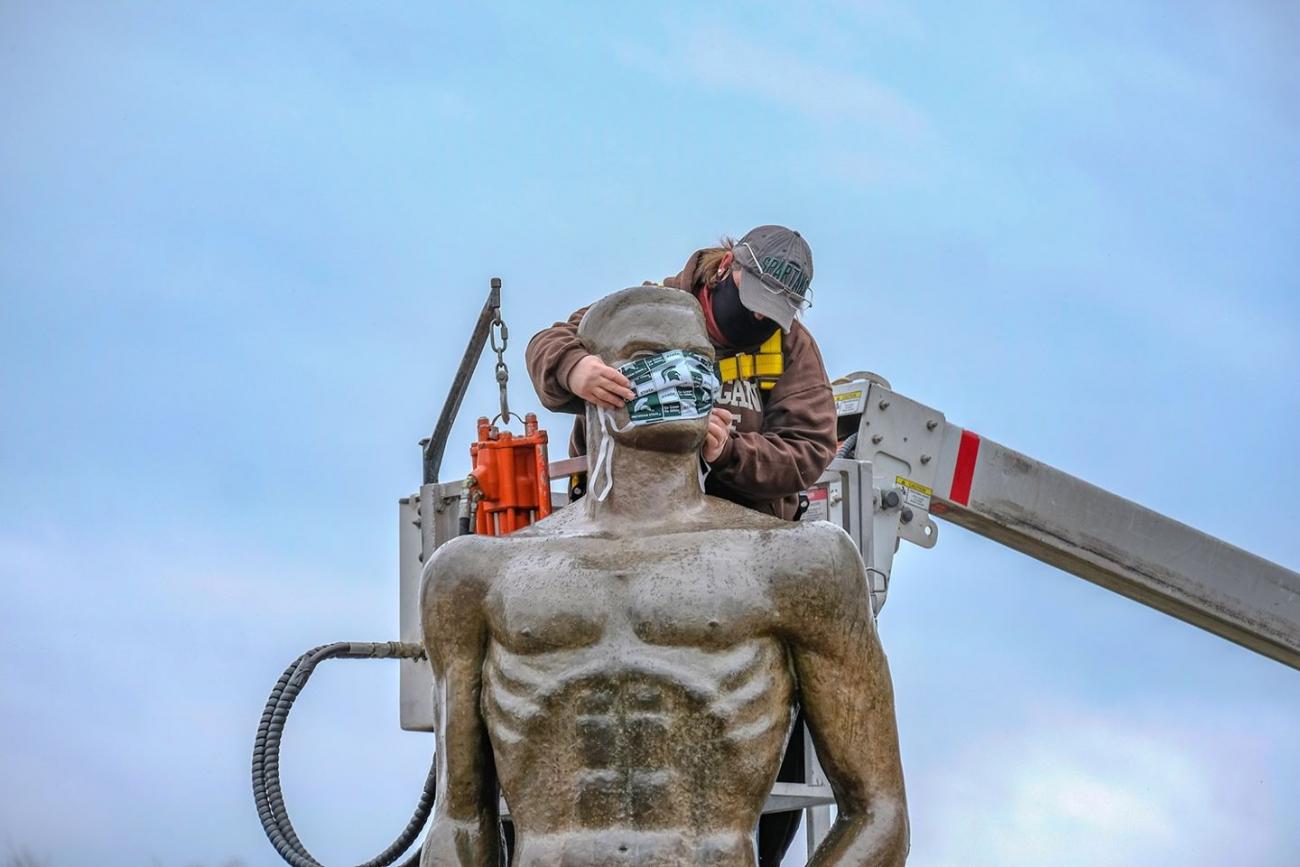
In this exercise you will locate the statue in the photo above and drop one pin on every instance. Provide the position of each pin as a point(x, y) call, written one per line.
point(626, 669)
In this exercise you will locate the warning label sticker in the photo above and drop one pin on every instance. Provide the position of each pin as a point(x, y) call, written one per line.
point(915, 494)
point(849, 402)
point(818, 504)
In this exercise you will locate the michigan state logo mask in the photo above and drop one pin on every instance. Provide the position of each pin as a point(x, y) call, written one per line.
point(670, 386)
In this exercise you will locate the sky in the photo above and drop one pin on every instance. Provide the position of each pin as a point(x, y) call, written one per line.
point(242, 246)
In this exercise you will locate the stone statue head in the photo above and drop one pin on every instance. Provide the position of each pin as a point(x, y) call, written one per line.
point(637, 322)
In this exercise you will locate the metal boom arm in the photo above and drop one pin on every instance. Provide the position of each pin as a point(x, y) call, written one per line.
point(1038, 510)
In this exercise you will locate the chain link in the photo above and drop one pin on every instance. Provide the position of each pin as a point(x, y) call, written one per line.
point(503, 372)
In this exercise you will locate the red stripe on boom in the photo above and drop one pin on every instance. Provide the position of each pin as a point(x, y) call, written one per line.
point(964, 473)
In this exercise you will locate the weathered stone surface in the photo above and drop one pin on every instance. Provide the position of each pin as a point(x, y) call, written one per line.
point(626, 670)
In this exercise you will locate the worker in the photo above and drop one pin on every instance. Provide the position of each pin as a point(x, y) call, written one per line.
point(772, 432)
point(773, 425)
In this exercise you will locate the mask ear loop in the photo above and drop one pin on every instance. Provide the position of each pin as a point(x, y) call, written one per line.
point(704, 467)
point(605, 453)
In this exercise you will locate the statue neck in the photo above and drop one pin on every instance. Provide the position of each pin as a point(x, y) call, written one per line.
point(648, 486)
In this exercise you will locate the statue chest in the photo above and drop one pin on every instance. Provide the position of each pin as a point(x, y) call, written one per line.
point(667, 591)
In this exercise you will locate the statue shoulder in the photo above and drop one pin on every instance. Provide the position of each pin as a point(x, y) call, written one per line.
point(820, 536)
point(725, 514)
point(461, 567)
point(815, 539)
point(840, 558)
point(823, 575)
point(453, 592)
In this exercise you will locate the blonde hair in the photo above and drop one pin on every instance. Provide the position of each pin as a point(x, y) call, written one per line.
point(706, 273)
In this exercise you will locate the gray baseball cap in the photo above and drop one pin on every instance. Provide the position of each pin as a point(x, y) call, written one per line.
point(778, 273)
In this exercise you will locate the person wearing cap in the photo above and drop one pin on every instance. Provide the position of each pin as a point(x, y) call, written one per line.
point(772, 432)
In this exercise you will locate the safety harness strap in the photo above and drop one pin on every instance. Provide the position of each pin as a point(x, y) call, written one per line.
point(766, 365)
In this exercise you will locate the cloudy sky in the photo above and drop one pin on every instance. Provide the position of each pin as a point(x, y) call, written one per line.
point(241, 246)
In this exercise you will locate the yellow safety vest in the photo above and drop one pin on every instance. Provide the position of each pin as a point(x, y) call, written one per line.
point(766, 365)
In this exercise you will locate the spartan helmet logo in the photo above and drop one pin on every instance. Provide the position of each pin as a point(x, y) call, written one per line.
point(673, 384)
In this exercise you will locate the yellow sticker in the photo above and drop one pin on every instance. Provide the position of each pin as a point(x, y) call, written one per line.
point(848, 402)
point(914, 493)
point(915, 486)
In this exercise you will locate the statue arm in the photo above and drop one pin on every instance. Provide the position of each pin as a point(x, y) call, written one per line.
point(848, 700)
point(465, 821)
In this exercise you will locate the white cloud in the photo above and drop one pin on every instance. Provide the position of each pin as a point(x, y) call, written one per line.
point(800, 85)
point(751, 69)
point(827, 120)
point(1083, 788)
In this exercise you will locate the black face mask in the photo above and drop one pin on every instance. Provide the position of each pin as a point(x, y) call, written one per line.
point(735, 320)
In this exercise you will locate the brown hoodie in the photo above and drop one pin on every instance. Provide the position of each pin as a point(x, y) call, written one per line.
point(783, 439)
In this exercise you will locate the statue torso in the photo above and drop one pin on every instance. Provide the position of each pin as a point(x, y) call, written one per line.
point(635, 695)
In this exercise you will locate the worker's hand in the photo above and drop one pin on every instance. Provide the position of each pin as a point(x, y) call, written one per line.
point(596, 382)
point(716, 438)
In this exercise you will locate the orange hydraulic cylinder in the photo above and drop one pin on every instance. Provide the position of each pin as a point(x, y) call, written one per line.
point(513, 476)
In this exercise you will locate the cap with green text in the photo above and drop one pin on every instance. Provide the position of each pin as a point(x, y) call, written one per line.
point(778, 273)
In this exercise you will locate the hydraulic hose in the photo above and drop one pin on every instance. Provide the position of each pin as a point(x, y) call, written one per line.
point(266, 756)
point(848, 448)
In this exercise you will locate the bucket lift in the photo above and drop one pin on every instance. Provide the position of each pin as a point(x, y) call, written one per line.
point(901, 465)
point(919, 465)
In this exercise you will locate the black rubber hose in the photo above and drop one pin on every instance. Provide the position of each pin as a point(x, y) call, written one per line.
point(849, 447)
point(267, 795)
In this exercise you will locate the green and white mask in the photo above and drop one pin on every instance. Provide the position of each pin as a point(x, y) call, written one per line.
point(671, 386)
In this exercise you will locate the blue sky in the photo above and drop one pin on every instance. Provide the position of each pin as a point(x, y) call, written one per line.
point(241, 246)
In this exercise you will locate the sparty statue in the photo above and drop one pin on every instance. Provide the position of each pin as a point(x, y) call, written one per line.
point(625, 672)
